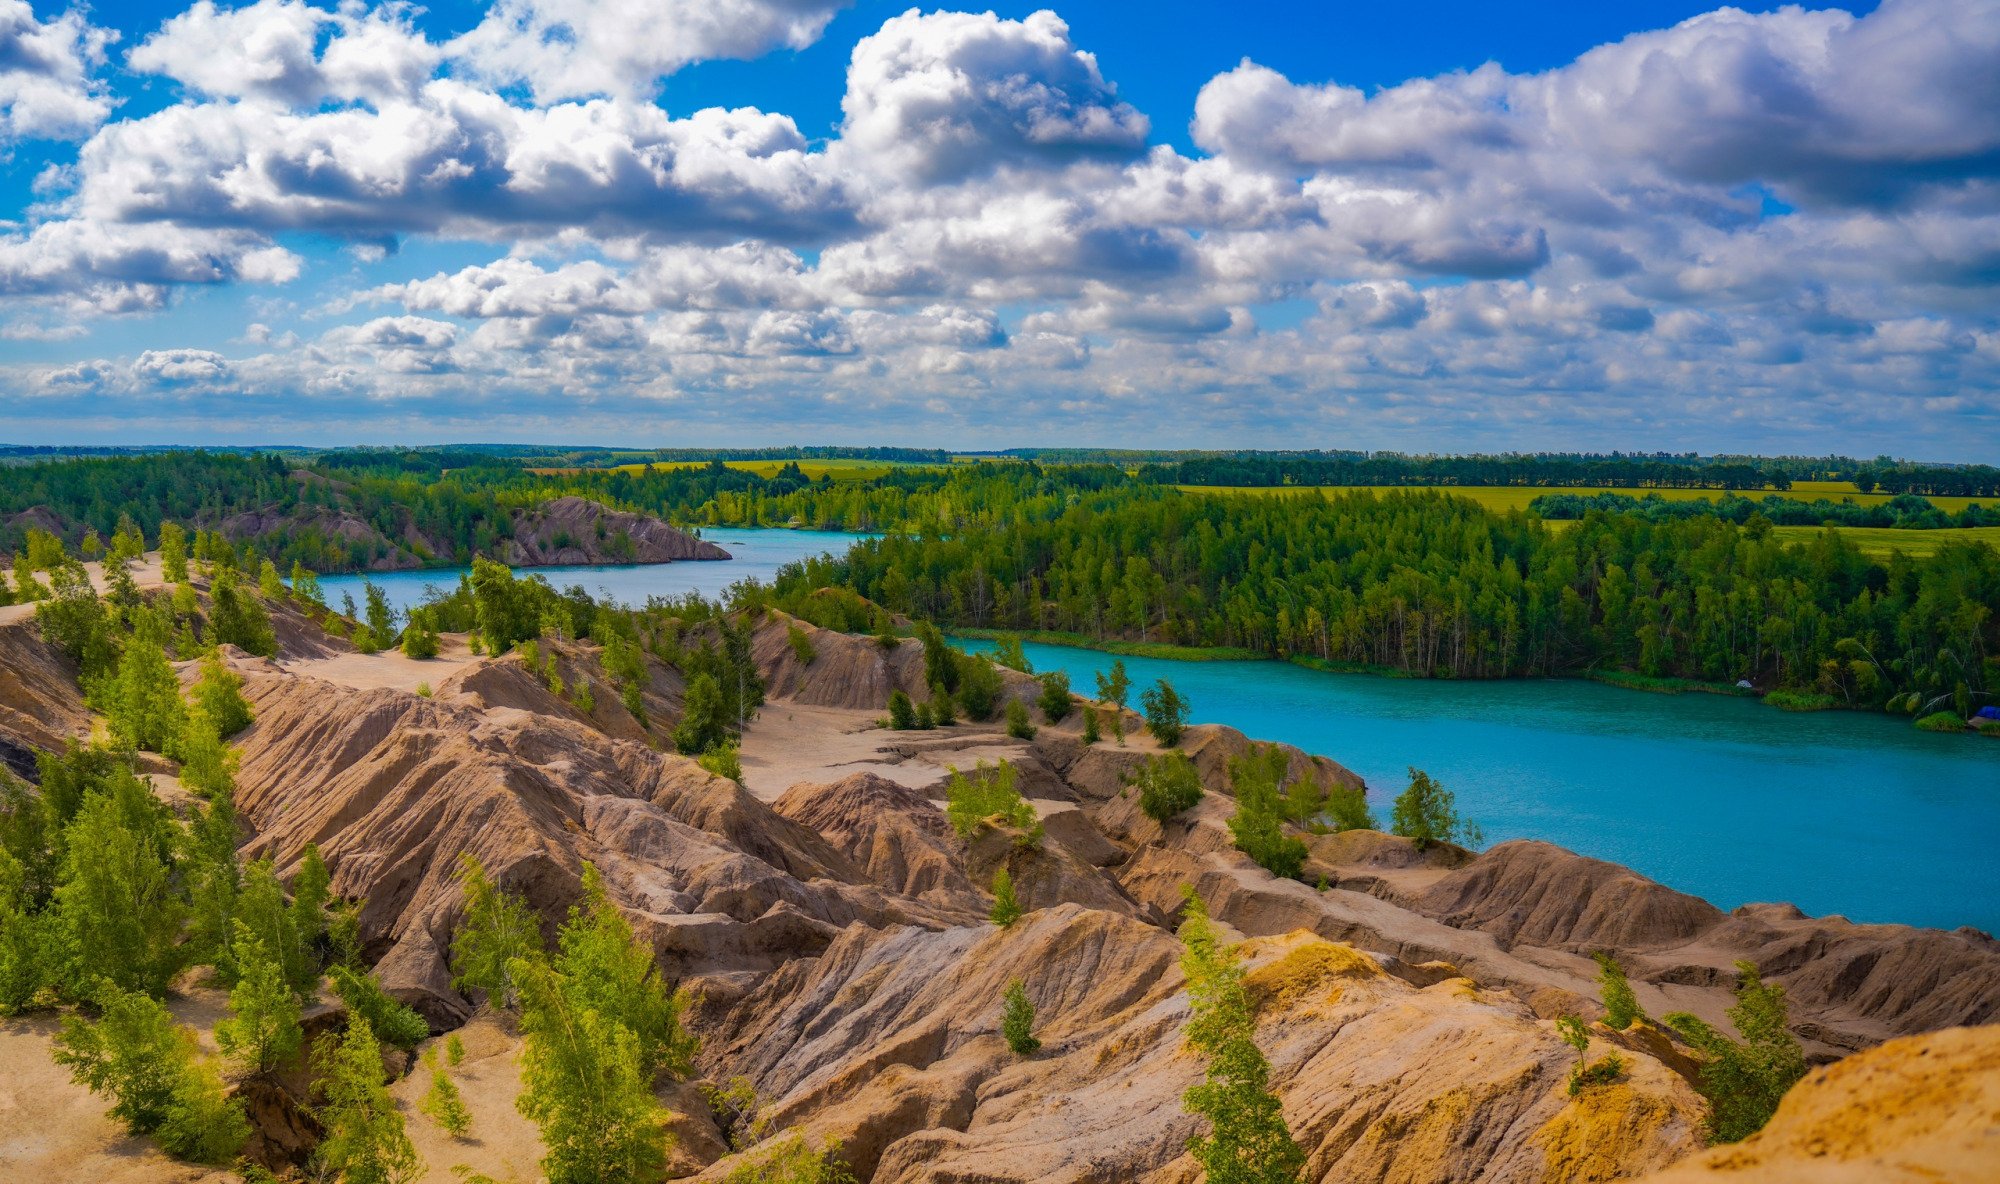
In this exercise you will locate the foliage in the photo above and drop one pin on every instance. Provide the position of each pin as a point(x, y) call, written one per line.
point(1426, 813)
point(1586, 1073)
point(1114, 688)
point(1942, 721)
point(583, 1084)
point(72, 619)
point(218, 694)
point(1621, 1005)
point(1017, 1020)
point(1169, 785)
point(262, 1031)
point(793, 1161)
point(238, 618)
point(498, 933)
point(157, 1080)
point(989, 792)
point(1018, 724)
point(117, 911)
point(703, 722)
point(1347, 808)
point(442, 1101)
point(142, 701)
point(1091, 734)
point(1055, 700)
point(1006, 906)
point(604, 968)
point(802, 646)
point(420, 636)
point(724, 760)
point(902, 713)
point(365, 1141)
point(978, 685)
point(1166, 713)
point(392, 1020)
point(1248, 1141)
point(1743, 1081)
point(1007, 652)
point(1258, 823)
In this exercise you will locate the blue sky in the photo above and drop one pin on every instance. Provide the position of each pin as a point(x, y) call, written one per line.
point(1427, 225)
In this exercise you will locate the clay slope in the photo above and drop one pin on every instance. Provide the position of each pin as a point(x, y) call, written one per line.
point(1921, 1109)
point(889, 1042)
point(846, 670)
point(577, 530)
point(40, 705)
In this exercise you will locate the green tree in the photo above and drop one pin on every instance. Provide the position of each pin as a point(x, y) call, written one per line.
point(606, 969)
point(73, 619)
point(584, 1085)
point(218, 694)
point(118, 909)
point(263, 1030)
point(989, 792)
point(902, 713)
point(1169, 785)
point(1258, 823)
point(704, 723)
point(143, 700)
point(238, 618)
point(1621, 1005)
point(1055, 699)
point(1248, 1141)
point(724, 760)
point(1115, 688)
point(269, 585)
point(388, 1017)
point(1426, 813)
point(22, 938)
point(420, 636)
point(1744, 1080)
point(1018, 724)
point(173, 553)
point(1017, 1021)
point(261, 905)
point(381, 618)
point(793, 1161)
point(979, 686)
point(1091, 735)
point(1347, 808)
point(499, 932)
point(1166, 713)
point(1007, 652)
point(442, 1101)
point(1006, 906)
point(158, 1082)
point(365, 1141)
point(1584, 1073)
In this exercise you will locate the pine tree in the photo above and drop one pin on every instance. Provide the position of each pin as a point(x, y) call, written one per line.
point(1248, 1141)
point(1620, 1003)
point(499, 931)
point(263, 1029)
point(365, 1140)
point(902, 715)
point(1017, 1021)
point(1006, 907)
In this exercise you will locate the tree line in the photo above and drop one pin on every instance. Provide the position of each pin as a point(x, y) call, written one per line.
point(1902, 512)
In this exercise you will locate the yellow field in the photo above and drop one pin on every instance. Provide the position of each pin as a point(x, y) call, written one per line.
point(1878, 542)
point(1516, 497)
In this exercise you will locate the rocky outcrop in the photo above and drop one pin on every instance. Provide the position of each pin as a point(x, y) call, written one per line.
point(1539, 894)
point(1918, 1110)
point(572, 530)
point(900, 840)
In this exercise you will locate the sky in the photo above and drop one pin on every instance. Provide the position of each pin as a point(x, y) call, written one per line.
point(1427, 225)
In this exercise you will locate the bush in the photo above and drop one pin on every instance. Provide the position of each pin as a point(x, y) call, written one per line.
point(1090, 733)
point(704, 723)
point(1347, 808)
point(1006, 906)
point(802, 646)
point(978, 685)
point(1169, 785)
point(388, 1018)
point(1166, 713)
point(218, 694)
point(1055, 700)
point(1258, 824)
point(1018, 725)
point(1801, 701)
point(1942, 721)
point(442, 1101)
point(792, 1161)
point(1743, 1082)
point(1017, 1021)
point(1007, 652)
point(420, 636)
point(942, 713)
point(988, 793)
point(724, 760)
point(158, 1081)
point(1427, 814)
point(1621, 1005)
point(902, 713)
point(1584, 1073)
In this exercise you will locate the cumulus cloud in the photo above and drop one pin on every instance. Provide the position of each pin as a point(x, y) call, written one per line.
point(947, 95)
point(272, 50)
point(569, 49)
point(49, 89)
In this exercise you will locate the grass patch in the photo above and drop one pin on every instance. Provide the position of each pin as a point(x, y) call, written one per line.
point(1801, 701)
point(1942, 721)
point(1879, 542)
point(1667, 686)
point(1332, 666)
point(1112, 645)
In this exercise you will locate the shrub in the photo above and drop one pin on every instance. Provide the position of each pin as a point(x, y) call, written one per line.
point(1055, 699)
point(365, 1139)
point(1007, 652)
point(218, 694)
point(802, 646)
point(724, 760)
point(262, 1031)
point(902, 714)
point(989, 792)
point(1786, 700)
point(420, 636)
point(392, 1020)
point(1621, 1005)
point(942, 713)
point(1743, 1082)
point(1347, 808)
point(1166, 713)
point(442, 1101)
point(978, 686)
point(1090, 733)
point(424, 690)
point(159, 1083)
point(1169, 785)
point(1006, 906)
point(704, 723)
point(1017, 1021)
point(1258, 824)
point(793, 1161)
point(1942, 721)
point(1426, 813)
point(499, 931)
point(1018, 724)
point(1584, 1073)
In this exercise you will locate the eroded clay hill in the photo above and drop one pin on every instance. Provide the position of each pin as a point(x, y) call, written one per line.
point(833, 926)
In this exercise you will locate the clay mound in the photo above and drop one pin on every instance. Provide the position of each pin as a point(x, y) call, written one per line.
point(1539, 894)
point(889, 1042)
point(573, 530)
point(40, 705)
point(1919, 1109)
point(847, 670)
point(1045, 874)
point(901, 841)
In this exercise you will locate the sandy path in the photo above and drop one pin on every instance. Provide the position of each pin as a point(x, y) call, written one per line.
point(389, 670)
point(789, 743)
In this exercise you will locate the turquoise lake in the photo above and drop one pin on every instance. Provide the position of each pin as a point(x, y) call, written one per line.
point(1837, 812)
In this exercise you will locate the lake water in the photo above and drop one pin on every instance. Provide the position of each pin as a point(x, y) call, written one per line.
point(755, 554)
point(1837, 812)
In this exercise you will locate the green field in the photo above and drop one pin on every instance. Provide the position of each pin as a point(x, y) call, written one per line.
point(1516, 497)
point(840, 468)
point(1878, 542)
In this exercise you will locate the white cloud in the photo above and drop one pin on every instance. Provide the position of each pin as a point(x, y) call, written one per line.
point(571, 49)
point(49, 88)
point(271, 50)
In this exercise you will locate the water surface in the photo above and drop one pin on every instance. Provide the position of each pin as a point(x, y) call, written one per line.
point(1837, 812)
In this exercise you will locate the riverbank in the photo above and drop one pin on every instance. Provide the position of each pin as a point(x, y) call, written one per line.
point(1111, 645)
